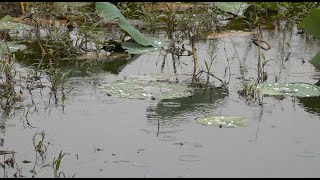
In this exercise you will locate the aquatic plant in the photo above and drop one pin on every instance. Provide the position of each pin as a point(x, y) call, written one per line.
point(57, 78)
point(10, 162)
point(8, 95)
point(109, 12)
point(152, 87)
point(311, 24)
point(289, 89)
point(56, 165)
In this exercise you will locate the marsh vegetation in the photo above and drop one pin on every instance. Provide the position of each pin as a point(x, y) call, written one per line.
point(167, 89)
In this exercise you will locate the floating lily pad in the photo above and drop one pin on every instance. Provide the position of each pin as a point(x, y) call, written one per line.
point(7, 23)
point(236, 8)
point(289, 89)
point(147, 87)
point(109, 12)
point(222, 121)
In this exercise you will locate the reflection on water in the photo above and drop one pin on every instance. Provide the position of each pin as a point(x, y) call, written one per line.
point(176, 111)
point(310, 104)
point(114, 63)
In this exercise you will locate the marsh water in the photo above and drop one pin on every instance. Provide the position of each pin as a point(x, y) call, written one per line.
point(107, 136)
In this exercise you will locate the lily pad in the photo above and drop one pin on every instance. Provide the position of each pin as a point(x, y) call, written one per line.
point(147, 87)
point(222, 121)
point(289, 89)
point(7, 23)
point(311, 23)
point(236, 8)
point(109, 12)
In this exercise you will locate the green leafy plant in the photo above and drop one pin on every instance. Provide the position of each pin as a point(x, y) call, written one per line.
point(57, 79)
point(56, 165)
point(311, 24)
point(109, 12)
point(8, 96)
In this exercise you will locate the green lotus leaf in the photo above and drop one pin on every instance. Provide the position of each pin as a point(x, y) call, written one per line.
point(289, 89)
point(316, 59)
point(222, 121)
point(147, 87)
point(109, 12)
point(311, 23)
point(236, 8)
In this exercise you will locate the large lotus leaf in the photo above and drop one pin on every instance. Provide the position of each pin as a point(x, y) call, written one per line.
point(6, 23)
point(289, 89)
point(135, 48)
point(311, 23)
point(222, 121)
point(147, 87)
point(236, 8)
point(109, 12)
point(316, 59)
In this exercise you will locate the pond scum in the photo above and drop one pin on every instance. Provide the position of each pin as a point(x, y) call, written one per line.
point(58, 40)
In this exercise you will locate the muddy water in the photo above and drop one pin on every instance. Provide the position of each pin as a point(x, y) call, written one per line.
point(137, 138)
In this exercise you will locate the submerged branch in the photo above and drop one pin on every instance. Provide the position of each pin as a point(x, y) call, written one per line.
point(202, 71)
